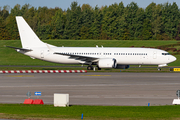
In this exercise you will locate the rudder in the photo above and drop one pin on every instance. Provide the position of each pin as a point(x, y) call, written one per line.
point(28, 38)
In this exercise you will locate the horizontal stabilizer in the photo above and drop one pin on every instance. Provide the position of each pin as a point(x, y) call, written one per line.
point(26, 50)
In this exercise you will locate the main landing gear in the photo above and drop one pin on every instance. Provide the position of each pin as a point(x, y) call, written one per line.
point(90, 67)
point(98, 68)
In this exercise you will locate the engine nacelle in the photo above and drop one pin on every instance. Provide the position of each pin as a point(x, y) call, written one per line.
point(107, 63)
point(122, 66)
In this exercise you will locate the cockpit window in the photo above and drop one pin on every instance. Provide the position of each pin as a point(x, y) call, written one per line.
point(165, 54)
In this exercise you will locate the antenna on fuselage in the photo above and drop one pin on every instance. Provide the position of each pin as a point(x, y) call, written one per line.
point(97, 46)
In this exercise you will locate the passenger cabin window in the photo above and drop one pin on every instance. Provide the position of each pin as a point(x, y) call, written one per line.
point(165, 54)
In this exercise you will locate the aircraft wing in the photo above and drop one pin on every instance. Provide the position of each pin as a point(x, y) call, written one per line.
point(78, 57)
point(23, 49)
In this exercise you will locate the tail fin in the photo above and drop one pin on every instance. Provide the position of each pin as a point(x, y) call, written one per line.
point(28, 38)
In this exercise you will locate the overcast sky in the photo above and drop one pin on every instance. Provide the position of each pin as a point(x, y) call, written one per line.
point(64, 4)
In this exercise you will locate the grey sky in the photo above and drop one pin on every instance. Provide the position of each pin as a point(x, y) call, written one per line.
point(64, 4)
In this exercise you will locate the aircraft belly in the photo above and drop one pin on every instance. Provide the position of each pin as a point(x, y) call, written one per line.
point(61, 59)
point(159, 60)
point(68, 61)
point(133, 60)
point(52, 58)
point(127, 61)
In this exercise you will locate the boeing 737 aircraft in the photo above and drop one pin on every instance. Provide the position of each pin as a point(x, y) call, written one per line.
point(102, 57)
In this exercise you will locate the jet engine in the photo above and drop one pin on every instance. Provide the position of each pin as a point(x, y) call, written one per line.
point(107, 63)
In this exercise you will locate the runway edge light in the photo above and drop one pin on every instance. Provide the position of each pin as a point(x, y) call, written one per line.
point(82, 116)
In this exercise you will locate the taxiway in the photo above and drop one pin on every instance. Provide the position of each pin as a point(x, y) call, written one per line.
point(122, 89)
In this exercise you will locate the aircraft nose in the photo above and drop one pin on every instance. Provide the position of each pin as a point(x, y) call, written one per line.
point(173, 58)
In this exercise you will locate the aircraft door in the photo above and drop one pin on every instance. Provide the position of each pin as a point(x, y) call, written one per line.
point(42, 54)
point(154, 54)
point(144, 59)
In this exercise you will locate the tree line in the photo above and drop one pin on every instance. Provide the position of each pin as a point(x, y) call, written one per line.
point(114, 22)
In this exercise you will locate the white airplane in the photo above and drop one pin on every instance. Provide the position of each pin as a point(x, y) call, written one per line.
point(103, 57)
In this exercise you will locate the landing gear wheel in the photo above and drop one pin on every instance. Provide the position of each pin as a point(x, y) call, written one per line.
point(90, 67)
point(98, 68)
point(159, 69)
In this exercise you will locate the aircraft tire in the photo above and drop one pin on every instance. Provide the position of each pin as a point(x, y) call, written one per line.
point(98, 68)
point(90, 67)
point(159, 69)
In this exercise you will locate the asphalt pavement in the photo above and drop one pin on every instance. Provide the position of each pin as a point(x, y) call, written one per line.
point(121, 89)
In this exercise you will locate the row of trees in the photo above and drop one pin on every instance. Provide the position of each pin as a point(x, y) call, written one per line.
point(155, 22)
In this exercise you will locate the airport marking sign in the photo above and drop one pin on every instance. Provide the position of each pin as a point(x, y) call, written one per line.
point(28, 94)
point(37, 93)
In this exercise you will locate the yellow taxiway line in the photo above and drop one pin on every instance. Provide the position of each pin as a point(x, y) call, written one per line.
point(95, 75)
point(20, 75)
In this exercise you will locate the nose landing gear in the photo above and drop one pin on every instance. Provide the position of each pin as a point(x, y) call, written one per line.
point(159, 69)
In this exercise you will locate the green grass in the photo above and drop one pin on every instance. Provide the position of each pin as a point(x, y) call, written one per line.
point(9, 56)
point(20, 111)
point(177, 62)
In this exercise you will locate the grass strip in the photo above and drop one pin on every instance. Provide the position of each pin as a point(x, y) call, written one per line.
point(20, 111)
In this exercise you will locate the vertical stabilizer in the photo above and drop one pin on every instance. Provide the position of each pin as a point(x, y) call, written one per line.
point(28, 38)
